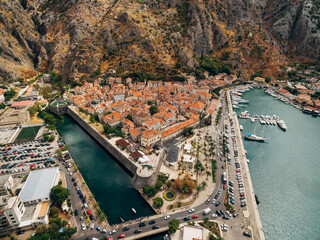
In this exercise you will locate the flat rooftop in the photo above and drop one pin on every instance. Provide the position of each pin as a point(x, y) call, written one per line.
point(192, 233)
point(38, 184)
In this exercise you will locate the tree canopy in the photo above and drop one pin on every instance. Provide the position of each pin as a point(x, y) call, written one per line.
point(149, 191)
point(158, 202)
point(173, 225)
point(58, 195)
point(153, 110)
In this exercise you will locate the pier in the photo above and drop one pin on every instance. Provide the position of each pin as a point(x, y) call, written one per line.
point(264, 120)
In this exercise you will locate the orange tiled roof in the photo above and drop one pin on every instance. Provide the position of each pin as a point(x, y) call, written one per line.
point(197, 105)
point(149, 133)
point(177, 127)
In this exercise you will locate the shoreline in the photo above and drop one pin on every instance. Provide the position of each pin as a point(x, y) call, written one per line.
point(252, 207)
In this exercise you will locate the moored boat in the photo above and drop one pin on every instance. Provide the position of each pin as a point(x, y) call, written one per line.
point(253, 137)
point(282, 125)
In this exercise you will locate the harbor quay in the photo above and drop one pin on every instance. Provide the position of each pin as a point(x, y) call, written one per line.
point(252, 212)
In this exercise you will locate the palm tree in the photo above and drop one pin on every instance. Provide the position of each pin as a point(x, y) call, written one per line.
point(198, 188)
point(208, 174)
point(184, 189)
point(204, 184)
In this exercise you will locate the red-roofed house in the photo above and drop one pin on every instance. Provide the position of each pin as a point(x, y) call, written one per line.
point(197, 106)
point(23, 104)
point(150, 138)
point(113, 119)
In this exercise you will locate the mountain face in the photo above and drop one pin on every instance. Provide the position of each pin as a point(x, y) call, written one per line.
point(86, 38)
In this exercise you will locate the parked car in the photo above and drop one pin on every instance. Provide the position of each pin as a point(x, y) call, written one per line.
point(21, 232)
point(152, 222)
point(121, 235)
point(155, 226)
point(191, 210)
point(142, 224)
point(138, 231)
point(125, 229)
point(186, 218)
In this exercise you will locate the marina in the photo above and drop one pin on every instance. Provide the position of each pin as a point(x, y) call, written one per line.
point(284, 172)
point(238, 102)
point(264, 120)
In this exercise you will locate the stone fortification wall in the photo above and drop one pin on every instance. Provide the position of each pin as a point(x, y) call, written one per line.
point(138, 180)
point(103, 141)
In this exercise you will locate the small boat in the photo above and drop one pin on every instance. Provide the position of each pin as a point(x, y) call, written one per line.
point(257, 200)
point(248, 160)
point(263, 122)
point(282, 125)
point(122, 219)
point(253, 137)
point(166, 237)
point(241, 127)
point(133, 210)
point(252, 120)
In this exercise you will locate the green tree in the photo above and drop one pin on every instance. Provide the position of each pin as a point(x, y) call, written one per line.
point(208, 174)
point(51, 127)
point(9, 94)
point(58, 152)
point(153, 110)
point(129, 117)
point(173, 225)
point(198, 188)
point(66, 147)
point(158, 202)
point(267, 79)
point(206, 220)
point(149, 102)
point(149, 191)
point(54, 211)
point(32, 111)
point(58, 195)
point(2, 105)
point(169, 184)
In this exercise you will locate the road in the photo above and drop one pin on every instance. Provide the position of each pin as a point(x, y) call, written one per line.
point(236, 225)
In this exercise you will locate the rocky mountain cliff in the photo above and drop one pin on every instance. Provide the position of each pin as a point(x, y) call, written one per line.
point(85, 38)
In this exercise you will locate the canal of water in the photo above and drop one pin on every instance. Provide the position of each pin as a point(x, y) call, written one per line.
point(109, 183)
point(285, 169)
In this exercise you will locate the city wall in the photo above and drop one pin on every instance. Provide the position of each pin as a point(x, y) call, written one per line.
point(138, 180)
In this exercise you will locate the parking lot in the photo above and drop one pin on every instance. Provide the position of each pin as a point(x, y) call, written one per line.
point(27, 156)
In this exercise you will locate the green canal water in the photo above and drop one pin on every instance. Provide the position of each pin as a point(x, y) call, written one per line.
point(109, 183)
point(285, 170)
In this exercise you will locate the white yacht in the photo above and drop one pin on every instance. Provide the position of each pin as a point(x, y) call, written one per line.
point(282, 125)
